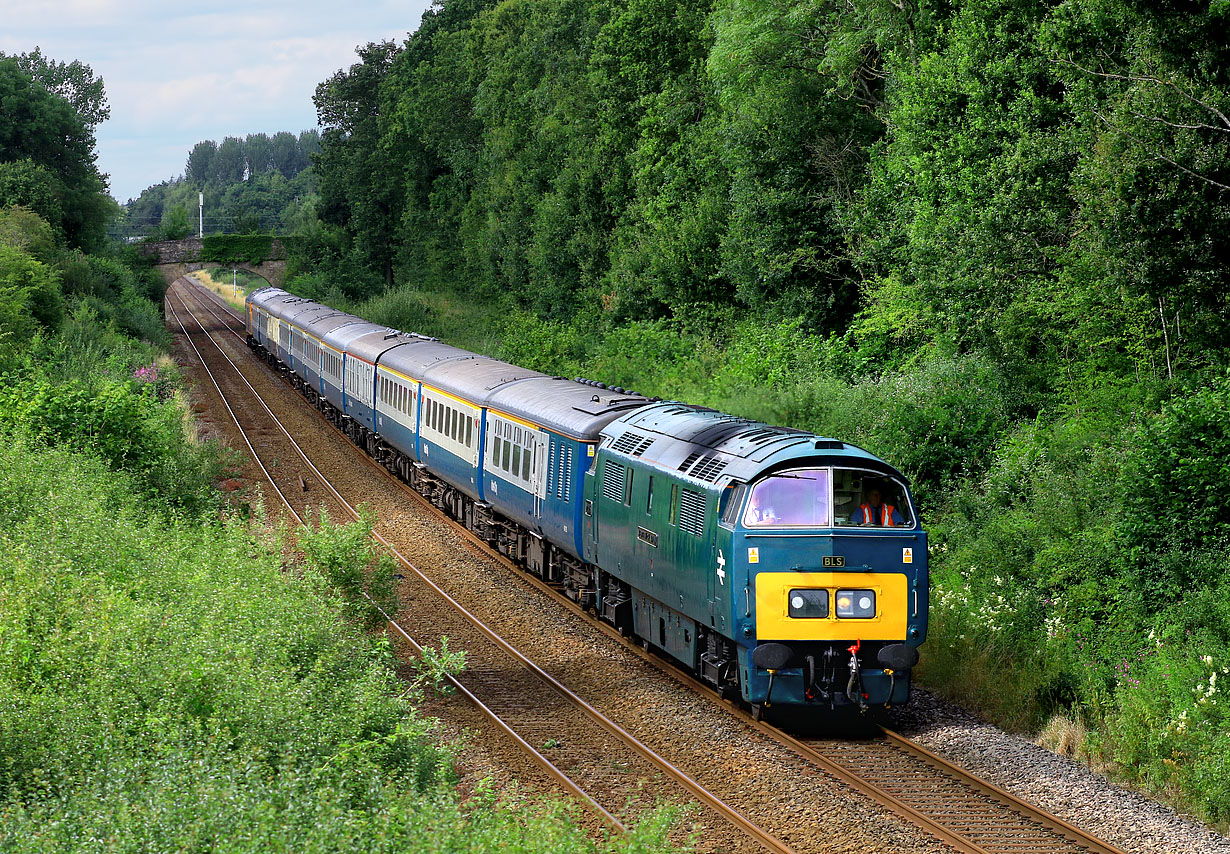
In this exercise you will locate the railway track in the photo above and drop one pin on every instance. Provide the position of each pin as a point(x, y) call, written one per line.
point(956, 808)
point(515, 693)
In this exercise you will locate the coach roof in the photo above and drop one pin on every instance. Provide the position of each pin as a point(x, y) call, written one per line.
point(564, 406)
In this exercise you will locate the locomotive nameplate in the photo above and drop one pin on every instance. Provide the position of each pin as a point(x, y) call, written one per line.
point(831, 561)
point(647, 537)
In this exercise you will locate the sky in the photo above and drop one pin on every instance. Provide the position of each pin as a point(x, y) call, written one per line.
point(175, 76)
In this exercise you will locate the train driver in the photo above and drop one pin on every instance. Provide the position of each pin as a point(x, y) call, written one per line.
point(758, 510)
point(875, 512)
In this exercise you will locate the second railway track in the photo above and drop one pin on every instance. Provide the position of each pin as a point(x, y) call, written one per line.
point(955, 810)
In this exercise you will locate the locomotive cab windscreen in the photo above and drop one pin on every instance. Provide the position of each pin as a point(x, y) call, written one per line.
point(822, 497)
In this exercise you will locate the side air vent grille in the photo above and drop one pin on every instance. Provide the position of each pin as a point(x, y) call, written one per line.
point(613, 482)
point(692, 511)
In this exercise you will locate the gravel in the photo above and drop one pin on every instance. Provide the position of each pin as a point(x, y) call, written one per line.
point(1062, 786)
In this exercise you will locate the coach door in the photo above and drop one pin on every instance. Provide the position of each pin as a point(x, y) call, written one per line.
point(538, 473)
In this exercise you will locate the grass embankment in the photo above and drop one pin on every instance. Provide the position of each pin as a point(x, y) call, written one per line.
point(1069, 599)
point(232, 286)
point(168, 685)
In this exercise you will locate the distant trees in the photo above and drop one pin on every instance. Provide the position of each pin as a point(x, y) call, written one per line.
point(251, 183)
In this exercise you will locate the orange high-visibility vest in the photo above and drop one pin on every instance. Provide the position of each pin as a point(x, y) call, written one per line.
point(886, 515)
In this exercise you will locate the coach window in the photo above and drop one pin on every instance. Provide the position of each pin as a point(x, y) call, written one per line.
point(469, 432)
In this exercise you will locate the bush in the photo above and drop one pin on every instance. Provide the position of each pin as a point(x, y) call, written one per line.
point(29, 298)
point(1166, 723)
point(230, 248)
point(1176, 487)
point(128, 418)
point(348, 559)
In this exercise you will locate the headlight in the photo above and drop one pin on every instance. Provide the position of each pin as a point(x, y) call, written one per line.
point(856, 604)
point(809, 603)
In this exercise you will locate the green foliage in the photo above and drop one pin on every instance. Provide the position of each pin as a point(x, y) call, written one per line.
point(115, 292)
point(122, 419)
point(1175, 493)
point(22, 228)
point(174, 224)
point(347, 558)
point(42, 129)
point(73, 81)
point(168, 684)
point(29, 298)
point(249, 248)
point(32, 186)
point(436, 666)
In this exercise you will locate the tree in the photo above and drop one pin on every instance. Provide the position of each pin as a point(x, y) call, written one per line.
point(73, 81)
point(22, 228)
point(230, 164)
point(258, 151)
point(175, 225)
point(356, 187)
point(200, 168)
point(26, 183)
point(285, 154)
point(43, 129)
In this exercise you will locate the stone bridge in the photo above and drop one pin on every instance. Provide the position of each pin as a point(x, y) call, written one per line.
point(174, 258)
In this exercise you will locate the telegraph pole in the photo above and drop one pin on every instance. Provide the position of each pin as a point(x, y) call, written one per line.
point(201, 212)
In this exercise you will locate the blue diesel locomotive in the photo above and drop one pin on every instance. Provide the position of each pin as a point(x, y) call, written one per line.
point(779, 567)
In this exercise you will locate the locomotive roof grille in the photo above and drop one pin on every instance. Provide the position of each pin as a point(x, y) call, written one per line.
point(632, 444)
point(687, 463)
point(708, 468)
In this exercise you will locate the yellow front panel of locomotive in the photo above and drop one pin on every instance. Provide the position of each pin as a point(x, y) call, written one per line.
point(773, 620)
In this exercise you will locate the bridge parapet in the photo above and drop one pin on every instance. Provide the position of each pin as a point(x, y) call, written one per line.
point(190, 248)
